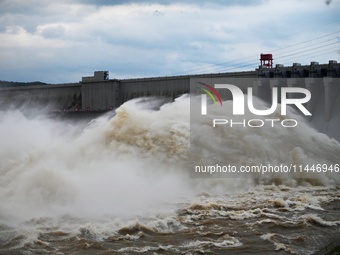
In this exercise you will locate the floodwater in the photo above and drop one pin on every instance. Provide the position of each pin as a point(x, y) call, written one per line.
point(121, 185)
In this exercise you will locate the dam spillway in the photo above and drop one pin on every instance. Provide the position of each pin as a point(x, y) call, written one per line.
point(99, 93)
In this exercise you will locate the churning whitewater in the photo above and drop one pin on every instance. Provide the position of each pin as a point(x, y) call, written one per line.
point(121, 184)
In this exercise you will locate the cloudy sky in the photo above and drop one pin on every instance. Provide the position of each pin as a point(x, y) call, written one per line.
point(63, 40)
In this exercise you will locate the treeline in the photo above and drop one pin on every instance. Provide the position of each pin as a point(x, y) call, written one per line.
point(17, 84)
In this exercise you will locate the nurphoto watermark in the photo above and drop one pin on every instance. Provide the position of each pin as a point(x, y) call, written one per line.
point(239, 124)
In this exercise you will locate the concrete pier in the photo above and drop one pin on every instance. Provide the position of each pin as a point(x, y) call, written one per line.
point(315, 89)
point(332, 94)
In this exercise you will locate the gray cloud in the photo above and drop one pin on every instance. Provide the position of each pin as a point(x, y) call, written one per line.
point(61, 41)
point(169, 2)
point(54, 31)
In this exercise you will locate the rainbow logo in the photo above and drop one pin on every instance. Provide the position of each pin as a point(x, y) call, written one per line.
point(211, 91)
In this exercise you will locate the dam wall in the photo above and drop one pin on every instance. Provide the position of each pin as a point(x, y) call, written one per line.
point(98, 93)
point(167, 87)
point(43, 97)
point(105, 94)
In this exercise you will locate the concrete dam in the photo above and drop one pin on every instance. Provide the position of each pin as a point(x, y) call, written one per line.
point(98, 93)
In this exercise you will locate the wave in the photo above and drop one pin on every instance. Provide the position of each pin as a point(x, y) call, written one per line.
point(129, 164)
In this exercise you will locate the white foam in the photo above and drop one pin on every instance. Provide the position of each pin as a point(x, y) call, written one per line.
point(133, 165)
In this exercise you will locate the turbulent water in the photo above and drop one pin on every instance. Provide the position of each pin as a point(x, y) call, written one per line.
point(120, 184)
